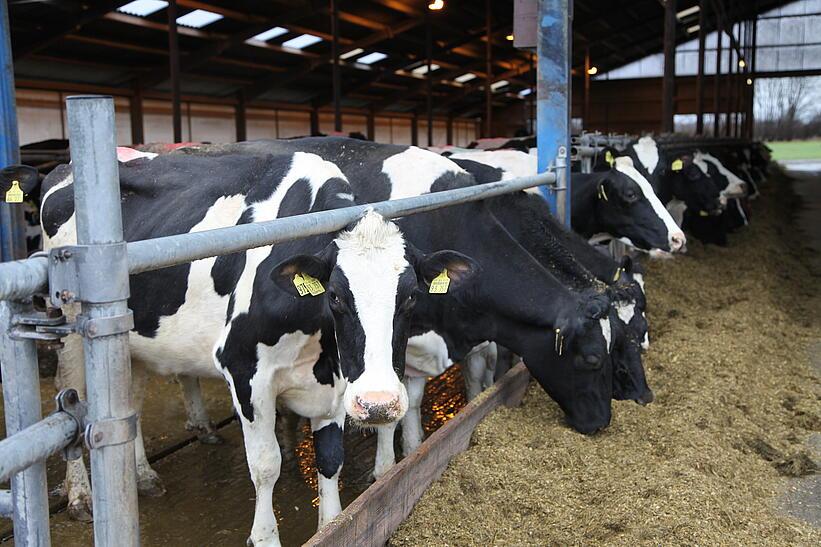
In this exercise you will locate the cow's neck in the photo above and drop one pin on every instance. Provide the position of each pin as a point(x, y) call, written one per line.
point(585, 203)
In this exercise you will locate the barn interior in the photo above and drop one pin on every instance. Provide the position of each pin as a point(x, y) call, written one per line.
point(440, 74)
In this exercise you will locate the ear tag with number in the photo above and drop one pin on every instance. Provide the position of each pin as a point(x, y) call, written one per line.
point(305, 285)
point(15, 194)
point(703, 214)
point(617, 275)
point(608, 157)
point(440, 283)
point(677, 165)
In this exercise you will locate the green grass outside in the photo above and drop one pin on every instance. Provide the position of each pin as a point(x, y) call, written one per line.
point(796, 150)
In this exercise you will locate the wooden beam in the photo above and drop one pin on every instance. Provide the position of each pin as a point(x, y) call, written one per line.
point(702, 37)
point(669, 81)
point(372, 518)
point(336, 82)
point(136, 113)
point(174, 69)
point(240, 119)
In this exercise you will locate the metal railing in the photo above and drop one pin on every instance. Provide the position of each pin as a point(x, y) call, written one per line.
point(95, 274)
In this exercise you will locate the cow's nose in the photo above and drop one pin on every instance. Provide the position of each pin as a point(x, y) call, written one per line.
point(646, 398)
point(377, 407)
point(677, 241)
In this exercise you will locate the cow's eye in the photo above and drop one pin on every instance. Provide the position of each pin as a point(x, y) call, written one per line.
point(631, 196)
point(334, 299)
point(410, 302)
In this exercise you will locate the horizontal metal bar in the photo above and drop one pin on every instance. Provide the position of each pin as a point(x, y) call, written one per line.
point(6, 510)
point(579, 151)
point(22, 278)
point(153, 254)
point(36, 443)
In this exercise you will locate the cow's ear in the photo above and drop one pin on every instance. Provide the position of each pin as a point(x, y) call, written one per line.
point(302, 275)
point(27, 178)
point(444, 271)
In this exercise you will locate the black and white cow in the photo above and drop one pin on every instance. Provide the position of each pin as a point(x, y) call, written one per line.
point(317, 325)
point(564, 336)
point(634, 214)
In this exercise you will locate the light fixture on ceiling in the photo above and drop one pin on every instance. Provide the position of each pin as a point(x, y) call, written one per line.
point(352, 53)
point(742, 63)
point(371, 58)
point(592, 70)
point(198, 18)
point(436, 5)
point(466, 77)
point(302, 41)
point(509, 37)
point(142, 8)
point(749, 81)
point(694, 28)
point(687, 12)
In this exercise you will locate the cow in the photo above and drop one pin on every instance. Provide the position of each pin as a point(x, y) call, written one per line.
point(564, 336)
point(634, 214)
point(318, 325)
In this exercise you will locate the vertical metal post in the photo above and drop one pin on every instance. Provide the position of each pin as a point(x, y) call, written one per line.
point(728, 98)
point(336, 82)
point(240, 119)
point(751, 104)
point(717, 75)
point(702, 37)
point(371, 127)
point(415, 129)
point(107, 358)
point(12, 224)
point(429, 76)
point(586, 101)
point(488, 121)
point(174, 70)
point(314, 121)
point(553, 99)
point(21, 395)
point(136, 111)
point(449, 130)
point(669, 80)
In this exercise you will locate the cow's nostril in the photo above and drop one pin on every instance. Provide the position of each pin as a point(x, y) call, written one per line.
point(677, 241)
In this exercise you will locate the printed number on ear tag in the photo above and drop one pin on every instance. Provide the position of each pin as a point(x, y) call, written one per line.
point(15, 194)
point(305, 285)
point(608, 157)
point(677, 165)
point(440, 283)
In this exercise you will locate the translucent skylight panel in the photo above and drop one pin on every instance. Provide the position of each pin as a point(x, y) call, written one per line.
point(371, 58)
point(270, 34)
point(352, 53)
point(468, 76)
point(423, 69)
point(302, 41)
point(498, 85)
point(141, 8)
point(198, 18)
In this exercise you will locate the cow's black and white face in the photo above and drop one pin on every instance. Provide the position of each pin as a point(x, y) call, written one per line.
point(692, 186)
point(729, 184)
point(632, 211)
point(371, 277)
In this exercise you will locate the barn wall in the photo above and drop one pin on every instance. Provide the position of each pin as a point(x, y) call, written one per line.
point(39, 114)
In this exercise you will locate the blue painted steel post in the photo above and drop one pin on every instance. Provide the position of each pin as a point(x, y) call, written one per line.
point(12, 229)
point(553, 100)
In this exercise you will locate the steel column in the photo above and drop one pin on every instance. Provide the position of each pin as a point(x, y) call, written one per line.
point(668, 84)
point(488, 121)
point(314, 121)
point(553, 99)
point(371, 125)
point(336, 82)
point(728, 98)
point(107, 358)
point(717, 75)
point(751, 104)
point(174, 70)
point(586, 100)
point(415, 129)
point(12, 224)
point(239, 117)
point(429, 76)
point(21, 397)
point(449, 130)
point(136, 112)
point(35, 443)
point(702, 37)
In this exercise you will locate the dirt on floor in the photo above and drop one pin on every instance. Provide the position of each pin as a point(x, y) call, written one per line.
point(735, 405)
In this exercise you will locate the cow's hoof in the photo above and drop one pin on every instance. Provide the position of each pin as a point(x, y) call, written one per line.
point(80, 510)
point(149, 484)
point(210, 437)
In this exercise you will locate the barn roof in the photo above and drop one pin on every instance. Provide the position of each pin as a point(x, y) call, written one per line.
point(90, 45)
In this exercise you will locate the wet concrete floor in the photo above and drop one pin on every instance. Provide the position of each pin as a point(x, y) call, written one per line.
point(210, 497)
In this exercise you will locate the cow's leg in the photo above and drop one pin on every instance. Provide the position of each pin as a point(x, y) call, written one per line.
point(412, 434)
point(474, 372)
point(385, 455)
point(288, 425)
point(491, 357)
point(330, 455)
point(71, 374)
point(195, 408)
point(148, 481)
point(255, 404)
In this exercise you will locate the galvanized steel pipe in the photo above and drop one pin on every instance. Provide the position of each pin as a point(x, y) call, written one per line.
point(36, 443)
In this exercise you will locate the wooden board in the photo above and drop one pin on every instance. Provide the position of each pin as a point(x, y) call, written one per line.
point(374, 516)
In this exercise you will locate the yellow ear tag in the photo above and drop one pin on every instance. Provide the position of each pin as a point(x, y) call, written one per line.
point(608, 157)
point(305, 285)
point(617, 275)
point(703, 214)
point(602, 193)
point(677, 165)
point(440, 283)
point(15, 194)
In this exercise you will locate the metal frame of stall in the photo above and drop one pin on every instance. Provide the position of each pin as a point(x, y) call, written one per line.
point(95, 273)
